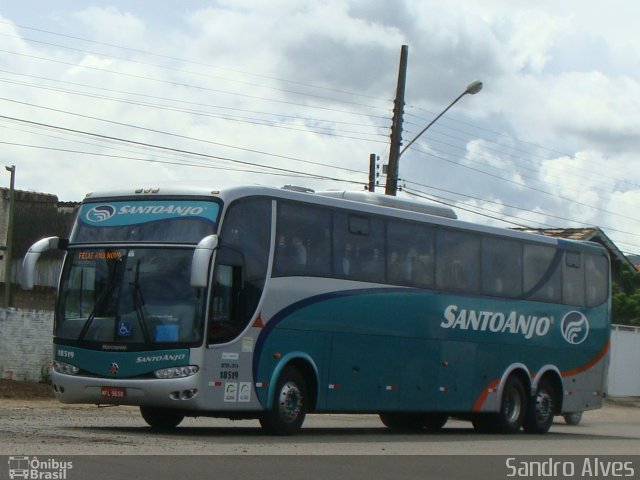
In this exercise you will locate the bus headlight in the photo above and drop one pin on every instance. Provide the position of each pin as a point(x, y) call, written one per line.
point(176, 372)
point(65, 368)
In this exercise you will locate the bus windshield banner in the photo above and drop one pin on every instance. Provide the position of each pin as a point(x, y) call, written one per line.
point(114, 214)
point(146, 220)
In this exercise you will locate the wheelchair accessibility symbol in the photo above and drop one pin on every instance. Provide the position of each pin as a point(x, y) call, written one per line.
point(124, 328)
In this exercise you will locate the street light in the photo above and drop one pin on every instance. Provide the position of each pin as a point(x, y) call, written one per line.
point(472, 89)
point(392, 179)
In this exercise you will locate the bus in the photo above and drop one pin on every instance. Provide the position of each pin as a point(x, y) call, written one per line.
point(271, 303)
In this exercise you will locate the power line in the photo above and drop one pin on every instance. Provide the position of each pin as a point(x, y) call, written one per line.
point(529, 187)
point(200, 74)
point(233, 118)
point(168, 149)
point(443, 125)
point(193, 62)
point(182, 84)
point(181, 101)
point(185, 137)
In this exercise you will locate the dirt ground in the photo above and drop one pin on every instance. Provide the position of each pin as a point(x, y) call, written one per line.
point(12, 389)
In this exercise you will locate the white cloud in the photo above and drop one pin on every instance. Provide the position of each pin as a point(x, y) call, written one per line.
point(558, 112)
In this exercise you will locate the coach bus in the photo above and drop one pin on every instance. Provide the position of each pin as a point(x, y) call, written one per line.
point(268, 303)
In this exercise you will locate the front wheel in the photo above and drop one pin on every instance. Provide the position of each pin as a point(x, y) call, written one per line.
point(161, 418)
point(541, 410)
point(289, 408)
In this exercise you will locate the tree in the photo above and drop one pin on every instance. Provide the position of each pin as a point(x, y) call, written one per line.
point(625, 298)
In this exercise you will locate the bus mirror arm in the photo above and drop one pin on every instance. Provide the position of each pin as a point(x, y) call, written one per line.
point(201, 260)
point(33, 255)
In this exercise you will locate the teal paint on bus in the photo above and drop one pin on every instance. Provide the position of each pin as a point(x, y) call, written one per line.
point(398, 348)
point(120, 364)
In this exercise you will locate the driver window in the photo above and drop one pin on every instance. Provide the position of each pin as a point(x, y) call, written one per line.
point(241, 268)
point(226, 322)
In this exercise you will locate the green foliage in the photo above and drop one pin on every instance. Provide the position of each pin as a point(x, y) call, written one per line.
point(625, 299)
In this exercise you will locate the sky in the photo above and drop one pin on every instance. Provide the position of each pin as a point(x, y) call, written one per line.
point(111, 94)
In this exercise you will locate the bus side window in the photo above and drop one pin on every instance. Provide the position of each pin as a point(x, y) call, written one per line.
point(410, 259)
point(303, 241)
point(458, 261)
point(358, 246)
point(542, 277)
point(501, 267)
point(573, 279)
point(596, 279)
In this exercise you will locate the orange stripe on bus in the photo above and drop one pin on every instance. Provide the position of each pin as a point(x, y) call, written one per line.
point(591, 363)
point(478, 404)
point(483, 396)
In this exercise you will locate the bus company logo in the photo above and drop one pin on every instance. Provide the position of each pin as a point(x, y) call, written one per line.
point(496, 322)
point(575, 327)
point(114, 368)
point(100, 213)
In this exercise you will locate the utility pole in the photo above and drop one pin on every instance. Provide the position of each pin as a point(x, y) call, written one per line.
point(9, 252)
point(372, 172)
point(396, 127)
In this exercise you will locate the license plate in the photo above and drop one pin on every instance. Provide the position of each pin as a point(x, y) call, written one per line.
point(113, 392)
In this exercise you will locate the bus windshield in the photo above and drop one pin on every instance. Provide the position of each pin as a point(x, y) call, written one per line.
point(129, 296)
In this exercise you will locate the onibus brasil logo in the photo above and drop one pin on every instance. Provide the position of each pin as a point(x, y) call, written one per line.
point(34, 468)
point(100, 213)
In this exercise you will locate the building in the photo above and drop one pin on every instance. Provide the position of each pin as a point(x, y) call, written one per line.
point(36, 215)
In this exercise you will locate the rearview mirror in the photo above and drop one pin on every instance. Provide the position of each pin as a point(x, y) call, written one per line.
point(32, 257)
point(201, 260)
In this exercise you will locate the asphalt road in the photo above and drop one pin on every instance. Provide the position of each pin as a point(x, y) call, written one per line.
point(358, 446)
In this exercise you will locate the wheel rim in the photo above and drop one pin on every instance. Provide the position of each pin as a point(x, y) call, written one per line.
point(513, 406)
point(289, 402)
point(544, 406)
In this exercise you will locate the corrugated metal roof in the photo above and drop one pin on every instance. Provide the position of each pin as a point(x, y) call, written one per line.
point(591, 234)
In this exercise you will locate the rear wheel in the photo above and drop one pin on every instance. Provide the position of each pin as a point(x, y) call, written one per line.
point(573, 418)
point(161, 418)
point(286, 415)
point(542, 408)
point(513, 407)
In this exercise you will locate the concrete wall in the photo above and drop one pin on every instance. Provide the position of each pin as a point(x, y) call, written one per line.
point(25, 344)
point(624, 374)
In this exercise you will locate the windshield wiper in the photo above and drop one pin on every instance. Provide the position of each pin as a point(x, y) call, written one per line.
point(139, 306)
point(106, 293)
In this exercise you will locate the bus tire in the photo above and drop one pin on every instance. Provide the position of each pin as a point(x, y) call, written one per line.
point(433, 422)
point(513, 408)
point(161, 418)
point(290, 403)
point(572, 418)
point(541, 409)
point(402, 422)
point(484, 423)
